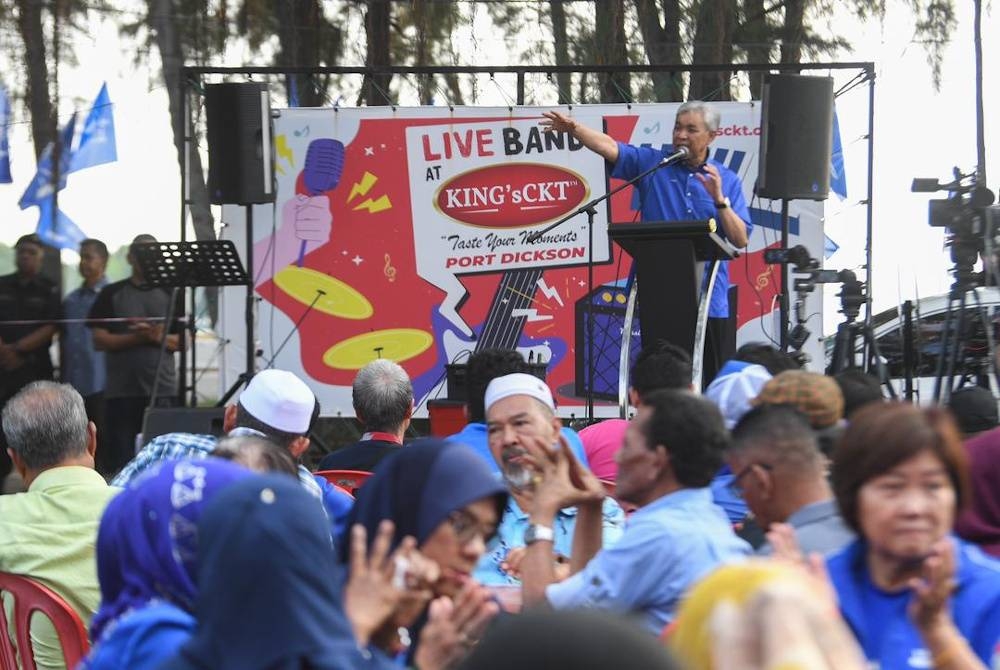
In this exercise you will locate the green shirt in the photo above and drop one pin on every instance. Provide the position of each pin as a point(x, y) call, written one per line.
point(49, 534)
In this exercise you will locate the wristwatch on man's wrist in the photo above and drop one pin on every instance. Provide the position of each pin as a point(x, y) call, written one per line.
point(538, 533)
point(722, 205)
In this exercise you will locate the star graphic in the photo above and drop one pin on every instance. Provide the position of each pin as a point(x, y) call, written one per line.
point(369, 151)
point(344, 252)
point(357, 260)
point(582, 283)
point(382, 145)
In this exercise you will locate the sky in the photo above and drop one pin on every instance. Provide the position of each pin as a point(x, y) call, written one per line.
point(919, 132)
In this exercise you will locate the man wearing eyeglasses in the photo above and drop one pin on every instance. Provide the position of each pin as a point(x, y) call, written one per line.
point(781, 474)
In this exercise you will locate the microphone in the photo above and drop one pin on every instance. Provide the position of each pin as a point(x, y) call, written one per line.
point(681, 152)
point(323, 166)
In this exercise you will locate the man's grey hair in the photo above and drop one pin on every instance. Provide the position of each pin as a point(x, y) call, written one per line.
point(708, 111)
point(46, 424)
point(383, 395)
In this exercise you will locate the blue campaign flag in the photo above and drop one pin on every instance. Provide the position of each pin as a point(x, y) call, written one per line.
point(59, 231)
point(5, 177)
point(829, 246)
point(97, 139)
point(838, 177)
point(40, 187)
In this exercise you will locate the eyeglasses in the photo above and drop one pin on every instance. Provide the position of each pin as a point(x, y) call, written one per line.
point(734, 486)
point(467, 528)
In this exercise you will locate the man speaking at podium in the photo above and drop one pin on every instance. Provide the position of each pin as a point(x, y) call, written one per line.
point(697, 187)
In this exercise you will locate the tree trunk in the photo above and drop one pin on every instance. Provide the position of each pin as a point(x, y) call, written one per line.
point(713, 45)
point(793, 31)
point(564, 80)
point(609, 36)
point(755, 39)
point(421, 55)
point(164, 22)
point(44, 125)
point(375, 87)
point(299, 32)
point(662, 45)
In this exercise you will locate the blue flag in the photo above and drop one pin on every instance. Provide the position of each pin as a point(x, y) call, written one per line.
point(40, 187)
point(5, 177)
point(829, 246)
point(59, 232)
point(838, 177)
point(97, 139)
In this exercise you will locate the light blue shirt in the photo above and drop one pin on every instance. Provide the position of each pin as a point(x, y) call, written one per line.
point(667, 546)
point(475, 436)
point(510, 535)
point(83, 366)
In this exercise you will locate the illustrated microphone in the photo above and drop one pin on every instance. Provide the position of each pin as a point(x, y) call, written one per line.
point(323, 167)
point(681, 152)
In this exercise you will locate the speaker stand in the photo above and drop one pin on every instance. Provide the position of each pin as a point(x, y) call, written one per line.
point(783, 314)
point(251, 358)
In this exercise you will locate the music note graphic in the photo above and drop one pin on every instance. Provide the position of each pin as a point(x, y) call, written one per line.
point(302, 133)
point(390, 271)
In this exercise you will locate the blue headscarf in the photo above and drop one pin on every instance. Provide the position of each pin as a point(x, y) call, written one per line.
point(148, 540)
point(418, 486)
point(268, 596)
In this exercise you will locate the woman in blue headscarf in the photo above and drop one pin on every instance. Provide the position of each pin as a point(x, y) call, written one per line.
point(268, 594)
point(445, 496)
point(146, 551)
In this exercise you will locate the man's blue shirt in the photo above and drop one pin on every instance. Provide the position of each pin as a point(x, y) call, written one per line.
point(83, 367)
point(880, 622)
point(674, 193)
point(667, 546)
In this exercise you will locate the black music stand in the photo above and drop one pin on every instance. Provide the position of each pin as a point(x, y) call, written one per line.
point(669, 257)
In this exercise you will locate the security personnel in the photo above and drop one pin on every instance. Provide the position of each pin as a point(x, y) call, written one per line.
point(24, 348)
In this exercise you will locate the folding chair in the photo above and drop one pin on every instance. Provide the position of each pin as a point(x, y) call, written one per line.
point(29, 597)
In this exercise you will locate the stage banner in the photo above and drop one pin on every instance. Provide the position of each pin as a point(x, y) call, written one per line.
point(405, 233)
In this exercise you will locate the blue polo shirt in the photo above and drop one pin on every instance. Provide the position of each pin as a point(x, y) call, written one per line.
point(674, 193)
point(667, 546)
point(880, 622)
point(83, 366)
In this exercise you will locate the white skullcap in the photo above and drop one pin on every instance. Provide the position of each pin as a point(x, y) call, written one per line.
point(281, 400)
point(518, 383)
point(732, 393)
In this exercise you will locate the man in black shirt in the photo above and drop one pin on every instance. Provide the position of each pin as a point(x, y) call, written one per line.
point(383, 402)
point(24, 347)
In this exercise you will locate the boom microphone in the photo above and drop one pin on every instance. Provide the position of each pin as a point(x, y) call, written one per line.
point(681, 152)
point(323, 167)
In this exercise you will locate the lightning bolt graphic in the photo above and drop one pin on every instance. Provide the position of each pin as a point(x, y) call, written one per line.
point(532, 315)
point(548, 291)
point(362, 187)
point(373, 206)
point(284, 151)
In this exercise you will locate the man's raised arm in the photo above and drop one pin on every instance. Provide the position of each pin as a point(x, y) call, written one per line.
point(595, 140)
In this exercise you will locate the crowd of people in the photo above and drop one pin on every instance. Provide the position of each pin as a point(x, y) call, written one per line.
point(780, 518)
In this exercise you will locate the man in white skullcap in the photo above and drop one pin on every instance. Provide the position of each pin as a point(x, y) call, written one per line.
point(520, 407)
point(276, 405)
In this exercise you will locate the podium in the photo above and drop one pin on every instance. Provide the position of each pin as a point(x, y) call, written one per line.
point(670, 258)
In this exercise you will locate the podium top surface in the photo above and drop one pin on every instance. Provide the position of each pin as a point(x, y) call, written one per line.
point(708, 244)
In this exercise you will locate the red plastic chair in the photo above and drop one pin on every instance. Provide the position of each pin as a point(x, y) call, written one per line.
point(350, 480)
point(29, 597)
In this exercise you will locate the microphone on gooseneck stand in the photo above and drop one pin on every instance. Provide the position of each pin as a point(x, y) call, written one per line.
point(680, 153)
point(323, 167)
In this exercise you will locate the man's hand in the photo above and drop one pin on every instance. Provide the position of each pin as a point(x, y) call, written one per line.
point(453, 628)
point(309, 217)
point(563, 483)
point(9, 358)
point(712, 181)
point(558, 122)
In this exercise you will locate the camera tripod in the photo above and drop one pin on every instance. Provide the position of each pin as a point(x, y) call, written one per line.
point(852, 297)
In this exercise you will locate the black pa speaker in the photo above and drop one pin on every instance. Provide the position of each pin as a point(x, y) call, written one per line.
point(240, 156)
point(198, 420)
point(796, 137)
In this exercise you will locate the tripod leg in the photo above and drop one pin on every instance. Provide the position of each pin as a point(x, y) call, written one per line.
point(945, 334)
point(955, 348)
point(875, 361)
point(990, 342)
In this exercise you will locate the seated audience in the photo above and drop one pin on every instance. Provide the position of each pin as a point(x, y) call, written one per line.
point(781, 475)
point(383, 403)
point(483, 367)
point(48, 533)
point(519, 409)
point(663, 366)
point(817, 396)
point(979, 522)
point(276, 405)
point(586, 640)
point(858, 388)
point(445, 497)
point(146, 550)
point(672, 449)
point(974, 409)
point(767, 355)
point(267, 586)
point(257, 454)
point(913, 595)
point(762, 614)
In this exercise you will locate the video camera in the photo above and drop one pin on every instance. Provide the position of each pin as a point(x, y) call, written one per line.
point(962, 211)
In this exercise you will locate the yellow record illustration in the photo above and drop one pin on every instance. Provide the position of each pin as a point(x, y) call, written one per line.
point(335, 297)
point(396, 344)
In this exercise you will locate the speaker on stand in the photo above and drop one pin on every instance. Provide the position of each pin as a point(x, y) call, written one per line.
point(795, 144)
point(241, 172)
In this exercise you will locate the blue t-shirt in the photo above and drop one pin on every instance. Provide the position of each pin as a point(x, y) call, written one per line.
point(674, 193)
point(141, 639)
point(880, 622)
